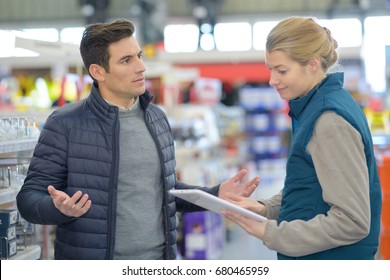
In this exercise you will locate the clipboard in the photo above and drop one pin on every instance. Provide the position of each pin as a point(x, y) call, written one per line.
point(214, 203)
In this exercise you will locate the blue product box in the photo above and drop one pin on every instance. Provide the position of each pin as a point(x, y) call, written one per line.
point(8, 248)
point(9, 233)
point(204, 235)
point(8, 217)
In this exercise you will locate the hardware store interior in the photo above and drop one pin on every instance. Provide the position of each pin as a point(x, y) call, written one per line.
point(213, 86)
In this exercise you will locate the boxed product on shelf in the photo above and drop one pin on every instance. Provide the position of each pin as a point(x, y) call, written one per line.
point(8, 248)
point(204, 235)
point(267, 124)
point(260, 98)
point(8, 241)
point(8, 220)
point(8, 217)
point(8, 232)
point(195, 127)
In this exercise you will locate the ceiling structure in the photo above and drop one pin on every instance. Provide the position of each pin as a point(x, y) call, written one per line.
point(58, 12)
point(153, 15)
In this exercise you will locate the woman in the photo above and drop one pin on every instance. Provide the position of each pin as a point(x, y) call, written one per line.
point(330, 205)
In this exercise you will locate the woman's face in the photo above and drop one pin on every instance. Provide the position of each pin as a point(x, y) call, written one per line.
point(288, 77)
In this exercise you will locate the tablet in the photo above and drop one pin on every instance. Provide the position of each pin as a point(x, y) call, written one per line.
point(214, 203)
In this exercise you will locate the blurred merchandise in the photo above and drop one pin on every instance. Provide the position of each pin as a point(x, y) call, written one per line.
point(204, 235)
point(18, 137)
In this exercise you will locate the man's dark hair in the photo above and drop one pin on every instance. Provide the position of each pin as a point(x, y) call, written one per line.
point(98, 37)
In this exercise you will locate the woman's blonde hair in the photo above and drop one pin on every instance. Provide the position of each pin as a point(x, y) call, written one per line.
point(302, 38)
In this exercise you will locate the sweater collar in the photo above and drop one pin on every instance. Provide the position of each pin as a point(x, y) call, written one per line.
point(121, 108)
point(329, 83)
point(109, 110)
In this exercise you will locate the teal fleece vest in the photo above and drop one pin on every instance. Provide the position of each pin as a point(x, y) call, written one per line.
point(302, 193)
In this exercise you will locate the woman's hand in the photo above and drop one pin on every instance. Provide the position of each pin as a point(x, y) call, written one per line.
point(251, 226)
point(247, 203)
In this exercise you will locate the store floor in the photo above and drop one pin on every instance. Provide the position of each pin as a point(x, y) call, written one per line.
point(242, 246)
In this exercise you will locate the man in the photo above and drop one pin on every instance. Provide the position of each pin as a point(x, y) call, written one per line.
point(102, 168)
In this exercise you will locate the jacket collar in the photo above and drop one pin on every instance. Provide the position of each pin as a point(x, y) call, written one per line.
point(331, 82)
point(103, 108)
point(145, 99)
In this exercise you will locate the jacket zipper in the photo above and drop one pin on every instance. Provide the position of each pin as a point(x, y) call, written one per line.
point(112, 190)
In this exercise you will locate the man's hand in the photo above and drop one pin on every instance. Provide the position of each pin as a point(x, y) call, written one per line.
point(233, 185)
point(74, 206)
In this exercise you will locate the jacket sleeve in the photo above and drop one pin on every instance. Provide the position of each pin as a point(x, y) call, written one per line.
point(48, 167)
point(185, 206)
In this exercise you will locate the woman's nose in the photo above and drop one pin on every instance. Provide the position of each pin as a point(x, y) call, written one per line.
point(272, 80)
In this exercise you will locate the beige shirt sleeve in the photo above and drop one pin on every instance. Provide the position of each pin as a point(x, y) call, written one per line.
point(272, 206)
point(338, 155)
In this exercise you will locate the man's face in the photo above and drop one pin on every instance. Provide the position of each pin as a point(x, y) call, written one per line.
point(125, 79)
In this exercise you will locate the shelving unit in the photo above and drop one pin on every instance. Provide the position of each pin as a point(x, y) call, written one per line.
point(12, 150)
point(8, 195)
point(17, 146)
point(267, 128)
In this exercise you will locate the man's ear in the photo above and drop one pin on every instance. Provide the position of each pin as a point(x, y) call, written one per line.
point(97, 72)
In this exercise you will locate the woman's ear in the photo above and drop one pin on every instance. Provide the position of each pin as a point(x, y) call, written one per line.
point(97, 72)
point(315, 64)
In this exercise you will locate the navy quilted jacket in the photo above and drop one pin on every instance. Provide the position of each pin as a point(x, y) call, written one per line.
point(78, 149)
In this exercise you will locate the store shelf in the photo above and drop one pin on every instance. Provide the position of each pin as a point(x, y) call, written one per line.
point(8, 195)
point(13, 153)
point(17, 145)
point(381, 140)
point(30, 253)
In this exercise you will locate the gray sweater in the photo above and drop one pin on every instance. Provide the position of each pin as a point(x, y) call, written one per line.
point(139, 226)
